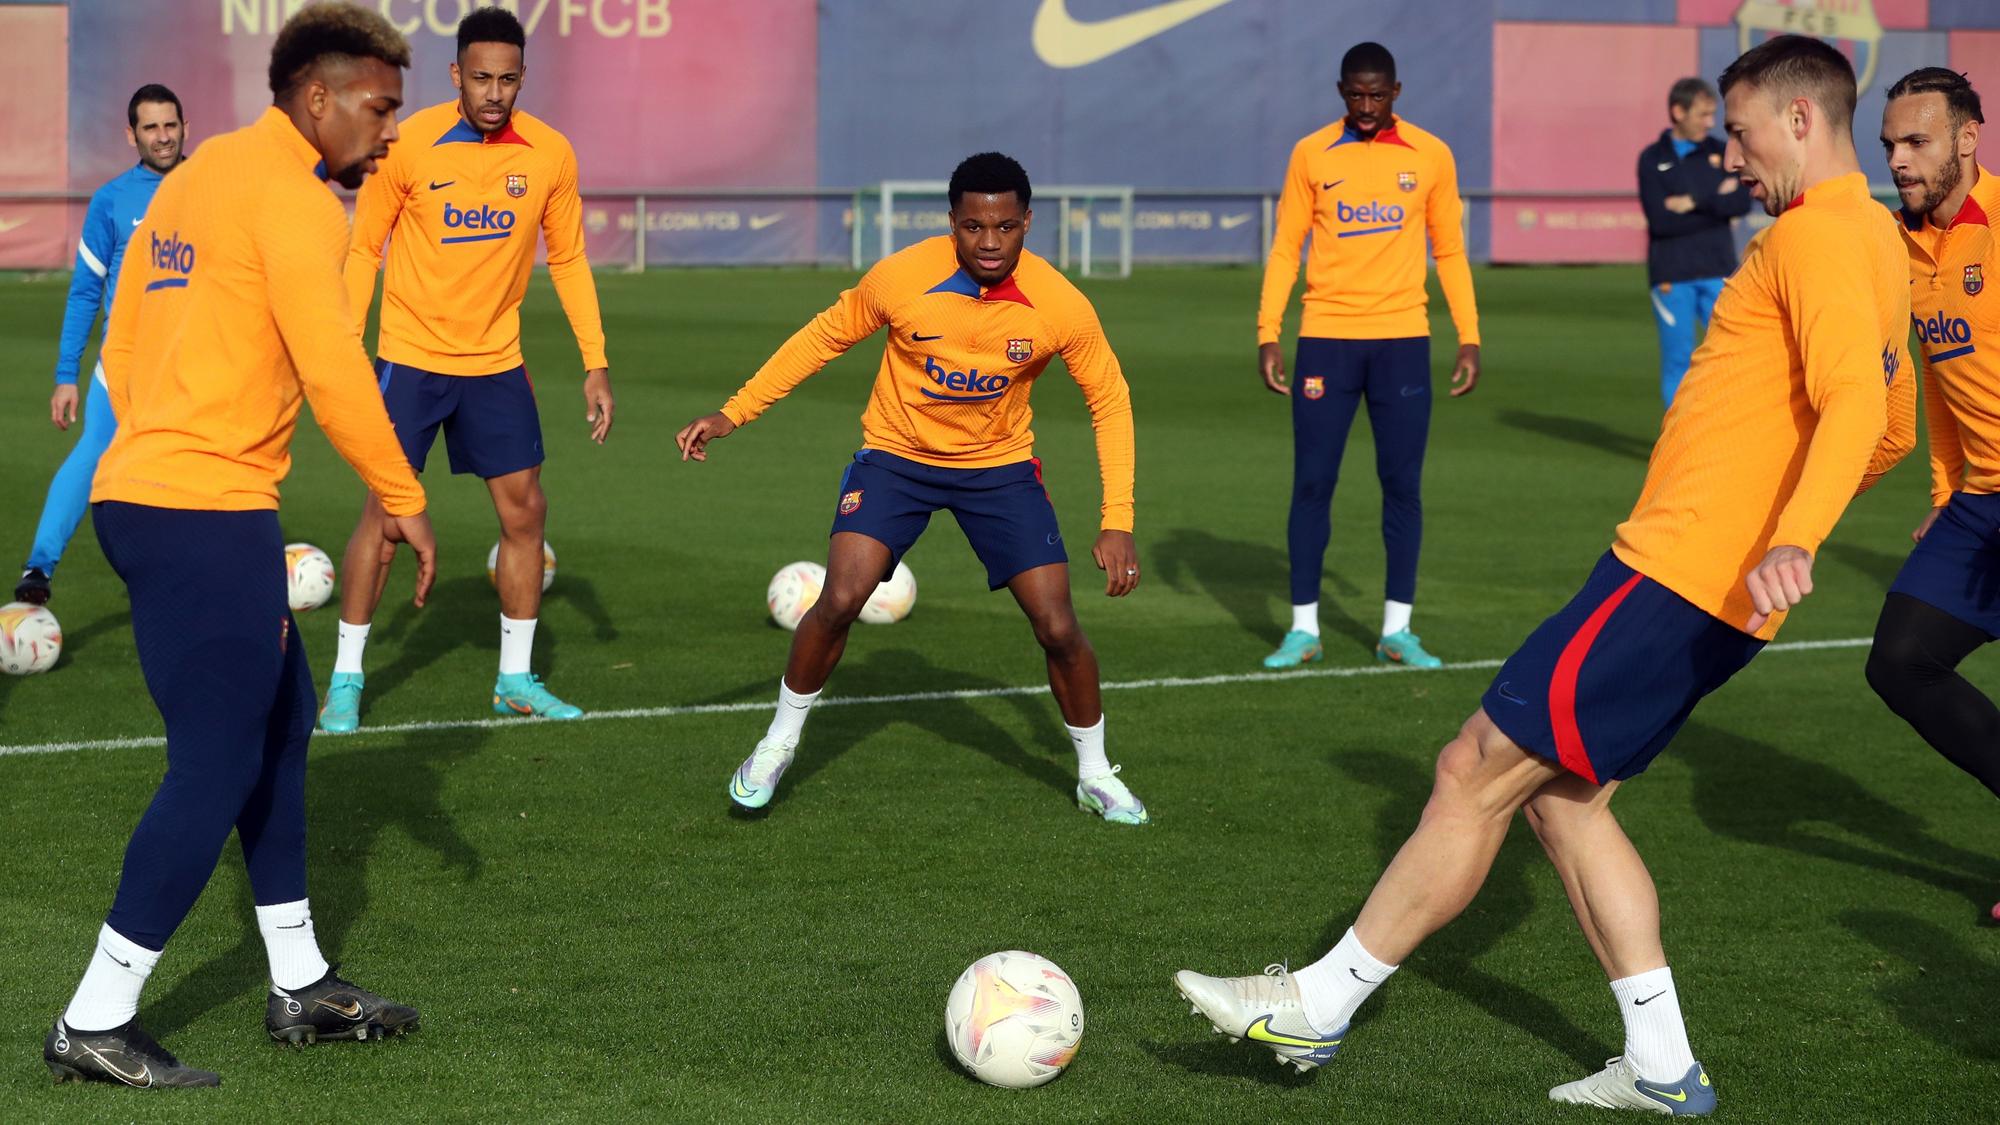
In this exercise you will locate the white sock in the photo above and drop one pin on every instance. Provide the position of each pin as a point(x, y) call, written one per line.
point(1336, 984)
point(108, 996)
point(1089, 742)
point(517, 642)
point(290, 944)
point(1656, 1041)
point(353, 639)
point(790, 720)
point(1395, 617)
point(1305, 618)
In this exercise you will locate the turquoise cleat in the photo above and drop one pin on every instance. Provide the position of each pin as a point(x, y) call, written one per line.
point(1109, 798)
point(342, 712)
point(523, 694)
point(1298, 647)
point(1404, 648)
point(756, 780)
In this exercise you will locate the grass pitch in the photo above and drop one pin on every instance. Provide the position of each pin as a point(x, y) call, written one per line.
point(591, 935)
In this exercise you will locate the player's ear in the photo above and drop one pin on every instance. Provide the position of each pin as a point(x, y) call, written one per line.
point(131, 138)
point(1968, 139)
point(456, 83)
point(1801, 114)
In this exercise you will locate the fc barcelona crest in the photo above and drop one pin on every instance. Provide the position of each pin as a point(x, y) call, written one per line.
point(1406, 180)
point(1020, 351)
point(1974, 280)
point(1315, 386)
point(517, 184)
point(850, 502)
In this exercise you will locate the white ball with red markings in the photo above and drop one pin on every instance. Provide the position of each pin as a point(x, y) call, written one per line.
point(548, 565)
point(793, 590)
point(30, 639)
point(1014, 1019)
point(892, 600)
point(308, 576)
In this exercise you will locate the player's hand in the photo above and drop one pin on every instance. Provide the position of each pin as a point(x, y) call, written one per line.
point(1778, 583)
point(1729, 184)
point(1117, 555)
point(1924, 528)
point(416, 531)
point(695, 436)
point(62, 405)
point(597, 397)
point(1680, 204)
point(1465, 373)
point(1271, 365)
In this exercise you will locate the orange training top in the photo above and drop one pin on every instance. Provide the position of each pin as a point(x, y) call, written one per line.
point(953, 386)
point(229, 305)
point(1798, 398)
point(464, 209)
point(1954, 323)
point(1368, 205)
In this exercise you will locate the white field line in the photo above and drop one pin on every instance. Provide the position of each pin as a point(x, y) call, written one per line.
point(155, 741)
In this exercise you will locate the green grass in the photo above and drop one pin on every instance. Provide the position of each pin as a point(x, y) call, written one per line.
point(592, 937)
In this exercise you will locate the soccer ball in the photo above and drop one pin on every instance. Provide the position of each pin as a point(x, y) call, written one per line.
point(548, 565)
point(1014, 1019)
point(308, 576)
point(30, 639)
point(892, 600)
point(792, 591)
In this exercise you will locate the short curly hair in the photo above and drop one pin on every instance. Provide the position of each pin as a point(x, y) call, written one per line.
point(332, 31)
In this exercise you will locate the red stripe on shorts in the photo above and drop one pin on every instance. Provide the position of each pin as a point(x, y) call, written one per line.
point(1562, 689)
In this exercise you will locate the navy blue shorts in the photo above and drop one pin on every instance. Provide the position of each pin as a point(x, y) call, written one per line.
point(1004, 511)
point(491, 426)
point(1605, 684)
point(1956, 566)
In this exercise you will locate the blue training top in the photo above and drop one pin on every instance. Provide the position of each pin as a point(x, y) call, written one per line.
point(115, 209)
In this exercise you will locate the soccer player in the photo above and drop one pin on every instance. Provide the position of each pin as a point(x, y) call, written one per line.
point(153, 126)
point(1367, 188)
point(1798, 398)
point(1689, 200)
point(973, 319)
point(232, 308)
point(464, 194)
point(1946, 601)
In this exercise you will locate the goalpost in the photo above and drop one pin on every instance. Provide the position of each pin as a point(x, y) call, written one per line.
point(897, 213)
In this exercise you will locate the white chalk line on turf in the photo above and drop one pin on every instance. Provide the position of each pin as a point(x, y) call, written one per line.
point(1217, 680)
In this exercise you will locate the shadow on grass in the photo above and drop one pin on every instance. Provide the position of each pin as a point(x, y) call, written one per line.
point(835, 729)
point(1213, 1055)
point(1581, 431)
point(1504, 901)
point(1752, 791)
point(1246, 579)
point(1944, 992)
point(352, 797)
point(1878, 566)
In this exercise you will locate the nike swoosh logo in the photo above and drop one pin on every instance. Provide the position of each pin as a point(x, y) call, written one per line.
point(351, 1009)
point(435, 185)
point(12, 224)
point(143, 1078)
point(737, 787)
point(1409, 391)
point(920, 338)
point(1676, 1097)
point(294, 926)
point(1510, 696)
point(1231, 222)
point(137, 221)
point(1260, 1030)
point(115, 957)
point(759, 222)
point(1334, 184)
point(1649, 999)
point(1063, 41)
point(1364, 980)
point(1664, 167)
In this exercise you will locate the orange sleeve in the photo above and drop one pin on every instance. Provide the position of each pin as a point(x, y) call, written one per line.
point(1094, 366)
point(1899, 435)
point(1281, 269)
point(376, 208)
point(1947, 450)
point(569, 269)
point(1825, 293)
point(853, 317)
point(301, 238)
point(1444, 218)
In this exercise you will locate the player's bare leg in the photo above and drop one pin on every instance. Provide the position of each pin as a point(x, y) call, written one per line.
point(1043, 595)
point(364, 573)
point(517, 573)
point(855, 564)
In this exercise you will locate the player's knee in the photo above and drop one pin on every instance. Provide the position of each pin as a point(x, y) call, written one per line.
point(1897, 668)
point(1312, 490)
point(1059, 633)
point(840, 608)
point(523, 516)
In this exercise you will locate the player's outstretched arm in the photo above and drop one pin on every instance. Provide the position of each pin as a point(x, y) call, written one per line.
point(694, 437)
point(1117, 555)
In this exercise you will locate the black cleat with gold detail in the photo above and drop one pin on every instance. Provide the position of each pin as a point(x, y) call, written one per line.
point(331, 1008)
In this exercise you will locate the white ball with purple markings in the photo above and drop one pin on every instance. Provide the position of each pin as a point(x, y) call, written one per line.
point(1014, 1019)
point(308, 576)
point(792, 592)
point(30, 639)
point(893, 599)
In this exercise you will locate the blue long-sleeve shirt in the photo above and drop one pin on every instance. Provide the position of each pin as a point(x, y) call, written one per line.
point(115, 209)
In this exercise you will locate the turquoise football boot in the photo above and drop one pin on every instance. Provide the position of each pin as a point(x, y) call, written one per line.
point(1619, 1086)
point(1298, 647)
point(342, 712)
point(1404, 648)
point(523, 694)
point(1109, 798)
point(756, 780)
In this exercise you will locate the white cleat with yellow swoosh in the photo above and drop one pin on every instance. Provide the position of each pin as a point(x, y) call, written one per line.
point(1264, 1009)
point(1620, 1086)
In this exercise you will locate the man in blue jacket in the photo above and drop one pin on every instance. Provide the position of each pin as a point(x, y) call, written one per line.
point(1689, 202)
point(154, 126)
